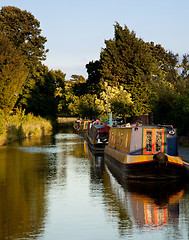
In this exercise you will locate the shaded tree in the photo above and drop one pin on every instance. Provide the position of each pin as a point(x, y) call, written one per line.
point(89, 106)
point(94, 76)
point(78, 84)
point(42, 99)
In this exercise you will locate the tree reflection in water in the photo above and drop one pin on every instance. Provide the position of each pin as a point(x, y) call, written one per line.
point(48, 184)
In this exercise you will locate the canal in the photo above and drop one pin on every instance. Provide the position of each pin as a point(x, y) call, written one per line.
point(54, 188)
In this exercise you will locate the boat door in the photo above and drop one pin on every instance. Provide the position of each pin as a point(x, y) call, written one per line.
point(153, 140)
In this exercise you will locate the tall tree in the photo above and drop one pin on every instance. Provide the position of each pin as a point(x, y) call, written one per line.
point(128, 61)
point(13, 73)
point(79, 86)
point(94, 76)
point(42, 99)
point(23, 30)
point(185, 66)
point(117, 100)
point(59, 77)
point(126, 57)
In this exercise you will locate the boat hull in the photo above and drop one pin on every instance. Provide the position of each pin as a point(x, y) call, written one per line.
point(143, 168)
point(96, 148)
point(97, 138)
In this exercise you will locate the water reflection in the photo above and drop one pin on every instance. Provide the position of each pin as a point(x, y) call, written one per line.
point(28, 170)
point(154, 205)
point(96, 174)
point(55, 188)
point(144, 205)
point(22, 194)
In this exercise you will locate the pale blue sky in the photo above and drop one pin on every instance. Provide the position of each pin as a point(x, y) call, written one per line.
point(76, 29)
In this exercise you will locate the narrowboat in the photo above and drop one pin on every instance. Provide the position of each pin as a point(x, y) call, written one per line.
point(97, 137)
point(76, 125)
point(144, 152)
point(83, 127)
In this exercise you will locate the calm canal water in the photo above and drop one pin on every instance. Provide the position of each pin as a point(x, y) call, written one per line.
point(54, 188)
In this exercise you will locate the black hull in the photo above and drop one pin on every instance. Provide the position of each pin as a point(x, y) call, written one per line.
point(96, 149)
point(151, 170)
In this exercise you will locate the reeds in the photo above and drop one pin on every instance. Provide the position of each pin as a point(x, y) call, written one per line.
point(18, 125)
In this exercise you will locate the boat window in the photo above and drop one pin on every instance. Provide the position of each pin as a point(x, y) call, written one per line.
point(126, 139)
point(118, 138)
point(158, 141)
point(121, 139)
point(112, 137)
point(148, 141)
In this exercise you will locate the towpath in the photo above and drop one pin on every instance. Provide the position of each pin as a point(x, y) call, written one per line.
point(183, 152)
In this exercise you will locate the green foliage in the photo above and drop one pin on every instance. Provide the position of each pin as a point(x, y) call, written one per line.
point(151, 75)
point(23, 31)
point(73, 91)
point(129, 62)
point(94, 76)
point(78, 85)
point(117, 100)
point(2, 128)
point(19, 125)
point(126, 57)
point(89, 106)
point(59, 77)
point(185, 66)
point(13, 73)
point(72, 104)
point(164, 59)
point(92, 106)
point(42, 99)
point(170, 102)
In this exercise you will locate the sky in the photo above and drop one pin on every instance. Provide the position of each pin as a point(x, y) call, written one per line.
point(76, 29)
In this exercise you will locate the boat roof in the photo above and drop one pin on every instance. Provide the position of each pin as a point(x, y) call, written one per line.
point(159, 126)
point(98, 126)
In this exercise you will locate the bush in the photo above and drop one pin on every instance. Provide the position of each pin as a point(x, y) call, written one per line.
point(19, 125)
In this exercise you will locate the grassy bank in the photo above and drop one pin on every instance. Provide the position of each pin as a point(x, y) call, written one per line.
point(66, 119)
point(20, 125)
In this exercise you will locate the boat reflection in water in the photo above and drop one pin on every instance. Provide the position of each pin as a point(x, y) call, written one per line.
point(97, 160)
point(146, 204)
point(155, 205)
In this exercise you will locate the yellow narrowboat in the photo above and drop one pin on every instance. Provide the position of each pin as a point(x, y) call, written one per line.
point(144, 152)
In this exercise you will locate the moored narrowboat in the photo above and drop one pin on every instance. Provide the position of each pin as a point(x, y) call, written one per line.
point(144, 152)
point(84, 127)
point(81, 126)
point(97, 137)
point(76, 125)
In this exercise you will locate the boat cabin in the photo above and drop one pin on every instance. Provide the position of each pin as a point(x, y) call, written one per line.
point(98, 133)
point(144, 140)
point(84, 125)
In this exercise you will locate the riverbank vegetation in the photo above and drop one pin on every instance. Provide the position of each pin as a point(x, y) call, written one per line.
point(16, 126)
point(131, 78)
